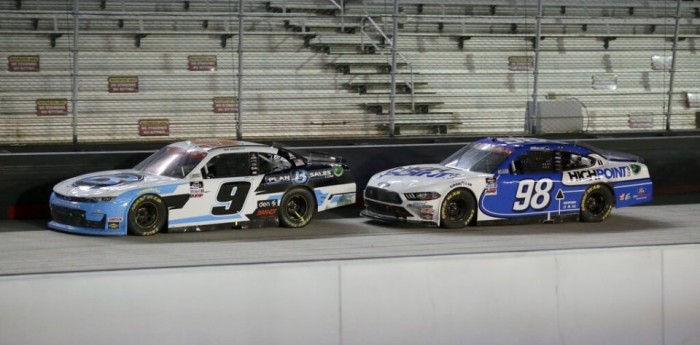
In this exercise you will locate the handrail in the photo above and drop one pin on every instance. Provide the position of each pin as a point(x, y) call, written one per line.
point(409, 82)
point(341, 7)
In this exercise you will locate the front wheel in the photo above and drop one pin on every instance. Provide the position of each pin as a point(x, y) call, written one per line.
point(147, 215)
point(596, 204)
point(297, 208)
point(458, 209)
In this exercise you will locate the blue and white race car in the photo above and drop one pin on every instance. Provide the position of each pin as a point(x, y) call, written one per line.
point(203, 185)
point(507, 178)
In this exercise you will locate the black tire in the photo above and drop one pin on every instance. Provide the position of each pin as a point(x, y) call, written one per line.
point(458, 209)
point(596, 204)
point(147, 215)
point(297, 208)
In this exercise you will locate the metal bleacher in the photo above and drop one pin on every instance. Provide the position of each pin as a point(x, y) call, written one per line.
point(316, 68)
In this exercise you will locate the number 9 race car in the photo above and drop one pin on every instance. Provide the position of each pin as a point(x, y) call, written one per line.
point(504, 179)
point(203, 185)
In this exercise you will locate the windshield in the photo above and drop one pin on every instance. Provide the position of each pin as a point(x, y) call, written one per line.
point(478, 157)
point(171, 161)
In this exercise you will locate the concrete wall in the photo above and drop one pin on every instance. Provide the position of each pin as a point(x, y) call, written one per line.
point(635, 296)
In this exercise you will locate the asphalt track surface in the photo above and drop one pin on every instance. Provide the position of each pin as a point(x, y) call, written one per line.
point(29, 247)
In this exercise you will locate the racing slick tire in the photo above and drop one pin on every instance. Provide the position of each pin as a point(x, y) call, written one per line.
point(297, 208)
point(596, 204)
point(147, 215)
point(458, 209)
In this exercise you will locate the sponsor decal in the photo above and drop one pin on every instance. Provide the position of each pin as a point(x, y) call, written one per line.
point(635, 168)
point(539, 148)
point(267, 203)
point(196, 189)
point(272, 179)
point(569, 205)
point(641, 194)
point(338, 171)
point(253, 163)
point(460, 184)
point(108, 180)
point(266, 208)
point(491, 186)
point(597, 174)
point(327, 173)
point(300, 176)
point(114, 222)
point(419, 172)
point(267, 212)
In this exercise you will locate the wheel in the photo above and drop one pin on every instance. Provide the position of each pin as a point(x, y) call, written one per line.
point(458, 209)
point(297, 208)
point(596, 204)
point(147, 215)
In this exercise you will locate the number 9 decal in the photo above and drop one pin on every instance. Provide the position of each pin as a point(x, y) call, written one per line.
point(230, 198)
point(533, 194)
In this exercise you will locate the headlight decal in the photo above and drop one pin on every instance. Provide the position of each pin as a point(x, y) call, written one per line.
point(422, 196)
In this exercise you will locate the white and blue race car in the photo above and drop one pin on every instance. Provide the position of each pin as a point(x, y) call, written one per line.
point(203, 185)
point(509, 178)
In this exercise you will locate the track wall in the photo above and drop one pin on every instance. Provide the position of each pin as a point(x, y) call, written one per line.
point(635, 296)
point(27, 178)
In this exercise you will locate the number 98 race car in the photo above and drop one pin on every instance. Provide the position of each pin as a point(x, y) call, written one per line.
point(501, 179)
point(203, 185)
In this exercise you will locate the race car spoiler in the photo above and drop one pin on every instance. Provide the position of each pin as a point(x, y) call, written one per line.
point(314, 156)
point(614, 156)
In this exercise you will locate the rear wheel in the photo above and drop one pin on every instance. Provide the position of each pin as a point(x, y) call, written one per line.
point(596, 204)
point(147, 215)
point(297, 208)
point(458, 209)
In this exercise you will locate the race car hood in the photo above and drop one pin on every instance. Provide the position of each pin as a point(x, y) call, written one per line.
point(108, 183)
point(410, 177)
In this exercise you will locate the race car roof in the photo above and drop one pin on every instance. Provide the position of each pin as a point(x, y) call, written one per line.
point(515, 142)
point(209, 144)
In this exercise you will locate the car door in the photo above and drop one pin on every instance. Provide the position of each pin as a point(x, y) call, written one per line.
point(530, 186)
point(221, 195)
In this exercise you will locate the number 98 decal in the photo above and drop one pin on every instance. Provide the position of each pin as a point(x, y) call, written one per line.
point(533, 194)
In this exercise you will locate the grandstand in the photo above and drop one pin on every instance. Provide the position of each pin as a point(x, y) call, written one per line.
point(321, 68)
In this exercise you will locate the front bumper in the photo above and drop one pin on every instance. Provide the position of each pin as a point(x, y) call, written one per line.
point(100, 218)
point(393, 219)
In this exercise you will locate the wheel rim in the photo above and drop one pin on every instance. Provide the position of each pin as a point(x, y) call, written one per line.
point(146, 215)
point(456, 209)
point(595, 203)
point(297, 207)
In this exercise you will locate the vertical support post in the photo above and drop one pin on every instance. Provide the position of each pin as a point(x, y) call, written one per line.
point(75, 78)
point(239, 120)
point(532, 111)
point(669, 105)
point(394, 43)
